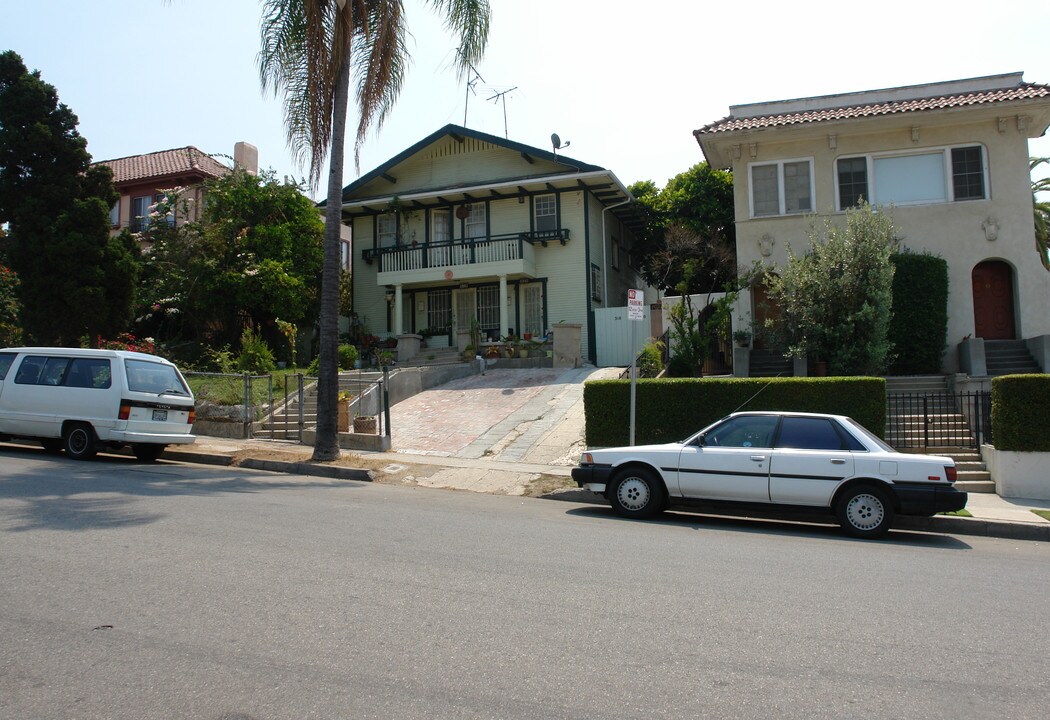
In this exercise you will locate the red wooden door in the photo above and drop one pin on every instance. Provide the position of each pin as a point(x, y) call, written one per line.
point(993, 300)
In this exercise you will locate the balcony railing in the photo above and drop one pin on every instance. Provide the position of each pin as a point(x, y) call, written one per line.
point(467, 251)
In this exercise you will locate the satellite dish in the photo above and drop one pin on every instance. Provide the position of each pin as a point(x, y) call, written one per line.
point(555, 140)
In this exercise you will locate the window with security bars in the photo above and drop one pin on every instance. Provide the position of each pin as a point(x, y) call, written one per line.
point(488, 307)
point(439, 308)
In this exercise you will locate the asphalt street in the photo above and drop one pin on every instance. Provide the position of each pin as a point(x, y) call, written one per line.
point(183, 591)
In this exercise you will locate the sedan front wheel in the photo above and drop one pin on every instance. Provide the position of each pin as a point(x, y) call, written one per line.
point(637, 493)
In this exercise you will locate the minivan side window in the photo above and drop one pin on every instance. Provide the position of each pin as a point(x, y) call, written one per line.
point(90, 373)
point(5, 363)
point(78, 372)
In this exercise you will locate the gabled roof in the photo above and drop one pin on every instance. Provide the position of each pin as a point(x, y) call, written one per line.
point(458, 132)
point(165, 163)
point(990, 90)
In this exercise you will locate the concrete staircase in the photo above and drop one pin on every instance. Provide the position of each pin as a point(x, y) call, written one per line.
point(284, 423)
point(428, 357)
point(770, 363)
point(1008, 357)
point(922, 418)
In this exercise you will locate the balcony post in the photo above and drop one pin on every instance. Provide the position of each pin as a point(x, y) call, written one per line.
point(504, 314)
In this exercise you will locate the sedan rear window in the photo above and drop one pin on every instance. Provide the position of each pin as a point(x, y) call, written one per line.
point(808, 434)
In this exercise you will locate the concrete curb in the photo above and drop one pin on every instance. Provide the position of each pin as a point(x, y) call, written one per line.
point(943, 524)
point(335, 472)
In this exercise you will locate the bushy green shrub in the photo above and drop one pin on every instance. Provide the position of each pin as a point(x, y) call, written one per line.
point(1019, 410)
point(669, 410)
point(919, 325)
point(256, 356)
point(347, 357)
point(221, 360)
point(651, 359)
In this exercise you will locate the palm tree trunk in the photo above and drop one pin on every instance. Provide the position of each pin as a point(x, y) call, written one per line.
point(326, 443)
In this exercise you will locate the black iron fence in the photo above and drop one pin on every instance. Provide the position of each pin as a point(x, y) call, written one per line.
point(941, 419)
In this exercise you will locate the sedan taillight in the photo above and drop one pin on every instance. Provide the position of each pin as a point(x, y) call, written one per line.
point(951, 473)
point(191, 416)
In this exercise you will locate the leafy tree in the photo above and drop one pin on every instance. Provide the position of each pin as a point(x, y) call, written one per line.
point(76, 281)
point(1041, 209)
point(310, 49)
point(835, 301)
point(698, 201)
point(919, 323)
point(253, 259)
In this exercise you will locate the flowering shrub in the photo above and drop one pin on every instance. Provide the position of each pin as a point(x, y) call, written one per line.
point(127, 341)
point(10, 329)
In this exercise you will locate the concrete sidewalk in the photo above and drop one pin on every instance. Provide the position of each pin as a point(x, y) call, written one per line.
point(520, 432)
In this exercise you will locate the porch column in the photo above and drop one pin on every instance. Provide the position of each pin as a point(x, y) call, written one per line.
point(504, 314)
point(398, 313)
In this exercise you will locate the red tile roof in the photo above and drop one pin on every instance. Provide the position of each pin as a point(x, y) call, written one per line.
point(1023, 91)
point(180, 161)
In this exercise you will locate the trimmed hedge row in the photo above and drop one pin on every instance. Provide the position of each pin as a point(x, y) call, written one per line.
point(672, 409)
point(1020, 408)
point(919, 324)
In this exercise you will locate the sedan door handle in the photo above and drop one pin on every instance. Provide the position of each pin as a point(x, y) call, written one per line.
point(758, 458)
point(838, 461)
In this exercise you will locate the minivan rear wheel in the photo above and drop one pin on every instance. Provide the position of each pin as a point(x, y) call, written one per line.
point(147, 452)
point(79, 441)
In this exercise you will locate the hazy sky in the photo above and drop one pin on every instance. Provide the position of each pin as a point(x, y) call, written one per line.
point(624, 82)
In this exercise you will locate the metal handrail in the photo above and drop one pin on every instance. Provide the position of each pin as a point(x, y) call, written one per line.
point(537, 237)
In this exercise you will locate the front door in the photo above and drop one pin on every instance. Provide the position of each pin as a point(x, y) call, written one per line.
point(993, 300)
point(732, 463)
point(764, 311)
point(465, 307)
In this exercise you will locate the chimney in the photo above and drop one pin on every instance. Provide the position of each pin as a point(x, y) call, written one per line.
point(246, 155)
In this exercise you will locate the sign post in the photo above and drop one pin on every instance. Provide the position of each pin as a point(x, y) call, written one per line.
point(635, 312)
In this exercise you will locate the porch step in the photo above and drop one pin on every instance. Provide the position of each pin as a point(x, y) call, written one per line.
point(976, 486)
point(916, 384)
point(1008, 357)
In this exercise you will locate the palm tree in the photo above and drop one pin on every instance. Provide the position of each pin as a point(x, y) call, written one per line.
point(310, 49)
point(1042, 212)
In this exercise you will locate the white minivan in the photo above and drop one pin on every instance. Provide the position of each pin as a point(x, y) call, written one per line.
point(83, 400)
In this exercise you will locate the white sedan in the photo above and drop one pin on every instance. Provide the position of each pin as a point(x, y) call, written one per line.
point(802, 460)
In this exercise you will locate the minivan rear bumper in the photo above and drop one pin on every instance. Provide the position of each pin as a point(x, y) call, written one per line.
point(152, 438)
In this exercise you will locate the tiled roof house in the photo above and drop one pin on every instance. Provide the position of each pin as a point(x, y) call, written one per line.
point(142, 180)
point(949, 159)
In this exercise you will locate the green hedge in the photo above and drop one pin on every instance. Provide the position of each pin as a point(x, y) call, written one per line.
point(1020, 407)
point(669, 410)
point(919, 324)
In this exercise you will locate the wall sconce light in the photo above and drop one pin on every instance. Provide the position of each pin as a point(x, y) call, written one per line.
point(390, 294)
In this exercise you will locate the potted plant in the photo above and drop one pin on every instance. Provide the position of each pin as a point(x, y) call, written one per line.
point(365, 424)
point(742, 337)
point(468, 352)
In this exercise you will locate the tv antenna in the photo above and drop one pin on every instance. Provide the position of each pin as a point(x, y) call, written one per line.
point(502, 97)
point(473, 78)
point(557, 143)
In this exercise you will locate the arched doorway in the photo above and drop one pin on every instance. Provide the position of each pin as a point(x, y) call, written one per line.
point(763, 310)
point(993, 300)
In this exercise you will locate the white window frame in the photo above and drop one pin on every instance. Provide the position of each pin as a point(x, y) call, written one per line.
point(780, 187)
point(434, 215)
point(476, 219)
point(949, 184)
point(552, 198)
point(390, 233)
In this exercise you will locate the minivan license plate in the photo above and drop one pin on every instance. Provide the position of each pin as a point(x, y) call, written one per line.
point(160, 415)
